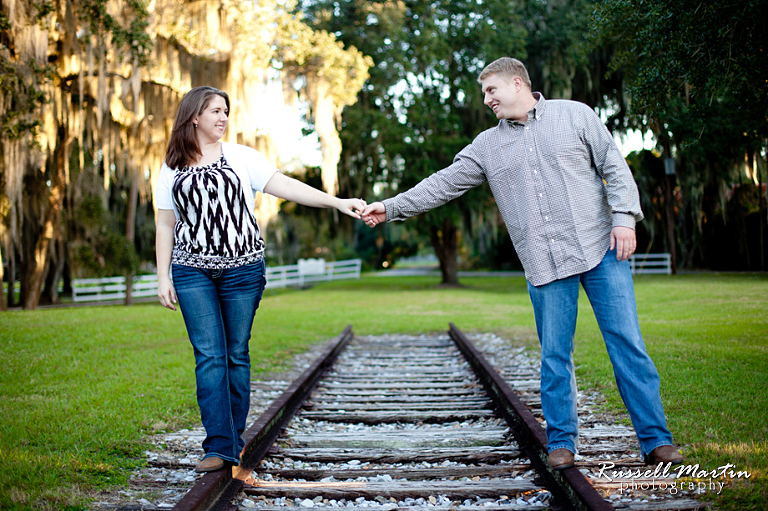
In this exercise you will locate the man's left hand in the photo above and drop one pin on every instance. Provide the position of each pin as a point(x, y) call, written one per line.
point(623, 238)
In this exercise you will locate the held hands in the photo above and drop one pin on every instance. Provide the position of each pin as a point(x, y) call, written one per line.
point(623, 238)
point(371, 214)
point(352, 207)
point(166, 293)
point(375, 214)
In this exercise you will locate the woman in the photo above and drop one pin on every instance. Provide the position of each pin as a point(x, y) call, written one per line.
point(208, 236)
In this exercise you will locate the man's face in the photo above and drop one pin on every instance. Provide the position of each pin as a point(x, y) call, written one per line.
point(501, 94)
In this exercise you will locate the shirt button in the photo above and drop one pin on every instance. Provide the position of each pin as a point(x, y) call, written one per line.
point(552, 241)
point(530, 149)
point(541, 195)
point(546, 218)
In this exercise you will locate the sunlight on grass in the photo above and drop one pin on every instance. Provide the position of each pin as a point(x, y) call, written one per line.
point(737, 450)
point(749, 488)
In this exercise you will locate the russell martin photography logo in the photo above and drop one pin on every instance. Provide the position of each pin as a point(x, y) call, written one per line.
point(691, 478)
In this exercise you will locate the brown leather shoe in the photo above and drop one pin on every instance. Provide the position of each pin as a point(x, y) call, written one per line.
point(210, 464)
point(663, 454)
point(560, 459)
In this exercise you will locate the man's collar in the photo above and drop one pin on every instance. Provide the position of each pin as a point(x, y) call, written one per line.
point(533, 113)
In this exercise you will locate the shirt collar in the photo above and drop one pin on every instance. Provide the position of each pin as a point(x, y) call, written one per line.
point(534, 113)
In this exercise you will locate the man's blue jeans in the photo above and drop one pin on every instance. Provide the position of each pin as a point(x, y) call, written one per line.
point(611, 292)
point(218, 308)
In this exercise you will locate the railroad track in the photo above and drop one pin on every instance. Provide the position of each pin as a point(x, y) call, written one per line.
point(416, 422)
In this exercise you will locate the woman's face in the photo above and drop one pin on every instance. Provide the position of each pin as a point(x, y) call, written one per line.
point(213, 121)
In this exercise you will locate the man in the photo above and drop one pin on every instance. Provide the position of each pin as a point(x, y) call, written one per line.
point(570, 205)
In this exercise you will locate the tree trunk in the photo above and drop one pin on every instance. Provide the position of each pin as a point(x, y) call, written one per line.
point(130, 228)
point(52, 280)
point(762, 198)
point(35, 258)
point(668, 201)
point(11, 256)
point(3, 301)
point(445, 241)
point(670, 214)
point(36, 255)
point(50, 287)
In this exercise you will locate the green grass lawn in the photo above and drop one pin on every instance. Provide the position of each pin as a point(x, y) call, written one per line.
point(81, 387)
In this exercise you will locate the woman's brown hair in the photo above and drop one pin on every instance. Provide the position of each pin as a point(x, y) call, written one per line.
point(183, 148)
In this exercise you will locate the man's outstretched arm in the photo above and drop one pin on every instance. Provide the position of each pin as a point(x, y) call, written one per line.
point(433, 191)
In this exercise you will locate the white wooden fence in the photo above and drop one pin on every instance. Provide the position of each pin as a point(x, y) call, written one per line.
point(112, 288)
point(651, 263)
point(313, 270)
point(307, 271)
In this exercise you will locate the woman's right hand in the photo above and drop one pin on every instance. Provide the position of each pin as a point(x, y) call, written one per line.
point(352, 207)
point(166, 293)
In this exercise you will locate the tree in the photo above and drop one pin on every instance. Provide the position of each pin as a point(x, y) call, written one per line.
point(696, 72)
point(422, 103)
point(38, 133)
point(82, 94)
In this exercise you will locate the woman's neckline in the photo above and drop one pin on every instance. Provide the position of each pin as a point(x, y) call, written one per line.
point(206, 161)
point(207, 165)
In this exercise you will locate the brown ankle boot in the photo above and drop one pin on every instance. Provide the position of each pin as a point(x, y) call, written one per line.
point(663, 454)
point(210, 464)
point(560, 459)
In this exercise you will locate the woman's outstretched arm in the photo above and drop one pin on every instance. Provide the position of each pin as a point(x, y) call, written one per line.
point(293, 190)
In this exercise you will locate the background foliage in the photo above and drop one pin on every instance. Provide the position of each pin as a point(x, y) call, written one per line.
point(389, 88)
point(695, 72)
point(690, 73)
point(88, 94)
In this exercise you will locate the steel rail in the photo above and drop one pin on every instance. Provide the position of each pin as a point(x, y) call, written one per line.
point(215, 490)
point(570, 488)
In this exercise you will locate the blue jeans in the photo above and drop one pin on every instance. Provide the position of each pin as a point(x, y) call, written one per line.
point(218, 308)
point(611, 293)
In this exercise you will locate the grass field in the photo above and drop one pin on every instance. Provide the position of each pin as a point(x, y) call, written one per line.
point(81, 387)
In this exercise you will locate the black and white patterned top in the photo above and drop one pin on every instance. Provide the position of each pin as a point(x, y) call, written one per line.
point(559, 180)
point(215, 228)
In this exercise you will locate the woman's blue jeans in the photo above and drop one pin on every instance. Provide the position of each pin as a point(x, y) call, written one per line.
point(218, 308)
point(611, 293)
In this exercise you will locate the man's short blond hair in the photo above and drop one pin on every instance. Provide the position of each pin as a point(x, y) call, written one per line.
point(506, 67)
